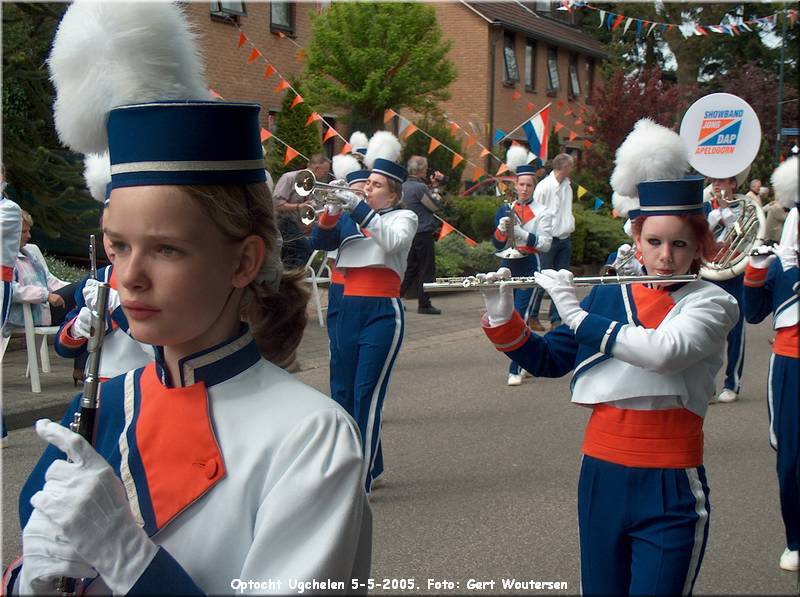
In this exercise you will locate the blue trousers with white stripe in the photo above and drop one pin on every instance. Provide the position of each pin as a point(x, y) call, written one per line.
point(5, 299)
point(642, 530)
point(783, 406)
point(523, 297)
point(369, 334)
point(735, 357)
point(335, 292)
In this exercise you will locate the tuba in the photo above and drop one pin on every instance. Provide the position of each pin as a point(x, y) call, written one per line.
point(733, 250)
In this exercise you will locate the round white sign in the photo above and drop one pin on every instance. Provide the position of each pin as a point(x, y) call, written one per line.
point(722, 133)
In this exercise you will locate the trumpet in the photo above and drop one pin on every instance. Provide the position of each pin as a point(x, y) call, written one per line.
point(477, 283)
point(305, 185)
point(511, 251)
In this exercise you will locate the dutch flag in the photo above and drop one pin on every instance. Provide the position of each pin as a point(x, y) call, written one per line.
point(536, 130)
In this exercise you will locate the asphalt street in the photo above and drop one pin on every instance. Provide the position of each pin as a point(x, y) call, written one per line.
point(481, 478)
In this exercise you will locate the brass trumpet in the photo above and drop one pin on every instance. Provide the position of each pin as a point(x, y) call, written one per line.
point(321, 193)
point(476, 283)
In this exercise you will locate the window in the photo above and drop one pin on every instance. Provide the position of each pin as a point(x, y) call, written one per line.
point(272, 121)
point(589, 78)
point(552, 70)
point(543, 6)
point(323, 4)
point(574, 84)
point(281, 16)
point(530, 65)
point(512, 72)
point(226, 9)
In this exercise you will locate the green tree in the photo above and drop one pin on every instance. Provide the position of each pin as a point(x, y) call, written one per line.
point(44, 178)
point(366, 57)
point(291, 128)
point(440, 159)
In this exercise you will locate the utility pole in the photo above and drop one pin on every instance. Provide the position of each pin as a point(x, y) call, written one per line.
point(778, 136)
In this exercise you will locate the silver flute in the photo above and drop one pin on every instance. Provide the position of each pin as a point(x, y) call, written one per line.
point(477, 283)
point(84, 421)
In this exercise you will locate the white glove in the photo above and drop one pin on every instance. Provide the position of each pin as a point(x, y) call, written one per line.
point(521, 235)
point(560, 287)
point(82, 326)
point(348, 198)
point(503, 224)
point(499, 301)
point(46, 556)
point(714, 216)
point(727, 215)
point(88, 503)
point(763, 259)
point(333, 209)
point(90, 295)
point(787, 255)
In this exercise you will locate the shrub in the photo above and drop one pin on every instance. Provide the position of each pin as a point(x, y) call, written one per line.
point(596, 235)
point(474, 215)
point(63, 270)
point(454, 257)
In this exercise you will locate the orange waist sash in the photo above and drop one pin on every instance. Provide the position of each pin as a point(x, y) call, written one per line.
point(371, 281)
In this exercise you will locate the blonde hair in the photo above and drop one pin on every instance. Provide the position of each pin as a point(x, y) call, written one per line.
point(26, 218)
point(277, 318)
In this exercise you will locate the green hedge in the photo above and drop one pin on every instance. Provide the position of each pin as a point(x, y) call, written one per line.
point(596, 235)
point(63, 270)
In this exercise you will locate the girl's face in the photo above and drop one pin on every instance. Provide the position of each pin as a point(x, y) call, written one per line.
point(668, 245)
point(378, 194)
point(177, 275)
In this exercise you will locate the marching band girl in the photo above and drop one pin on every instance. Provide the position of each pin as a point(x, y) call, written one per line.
point(722, 214)
point(211, 464)
point(531, 227)
point(643, 359)
point(11, 223)
point(373, 241)
point(122, 353)
point(772, 286)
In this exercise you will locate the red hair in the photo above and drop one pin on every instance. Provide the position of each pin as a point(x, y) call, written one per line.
point(702, 235)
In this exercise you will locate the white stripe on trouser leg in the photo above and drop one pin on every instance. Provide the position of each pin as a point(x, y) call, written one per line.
point(369, 457)
point(773, 437)
point(699, 528)
point(737, 379)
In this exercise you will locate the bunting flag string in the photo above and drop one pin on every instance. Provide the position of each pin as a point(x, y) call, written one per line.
point(730, 24)
point(447, 228)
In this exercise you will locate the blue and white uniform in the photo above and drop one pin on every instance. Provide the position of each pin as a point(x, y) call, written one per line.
point(373, 251)
point(775, 290)
point(11, 222)
point(537, 220)
point(644, 360)
point(121, 353)
point(720, 221)
point(241, 473)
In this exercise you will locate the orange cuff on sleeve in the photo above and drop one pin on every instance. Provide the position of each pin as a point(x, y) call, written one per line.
point(327, 221)
point(755, 277)
point(509, 336)
point(67, 340)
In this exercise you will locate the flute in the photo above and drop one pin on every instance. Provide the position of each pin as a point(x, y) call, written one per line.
point(84, 421)
point(476, 283)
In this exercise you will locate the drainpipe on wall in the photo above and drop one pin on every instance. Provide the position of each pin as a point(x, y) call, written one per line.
point(496, 35)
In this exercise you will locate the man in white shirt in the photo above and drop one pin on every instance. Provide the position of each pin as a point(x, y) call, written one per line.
point(555, 193)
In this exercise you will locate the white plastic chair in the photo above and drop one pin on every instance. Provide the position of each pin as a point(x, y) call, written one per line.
point(315, 277)
point(35, 340)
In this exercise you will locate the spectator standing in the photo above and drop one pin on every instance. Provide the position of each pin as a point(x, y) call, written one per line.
point(423, 201)
point(555, 193)
point(296, 246)
point(755, 191)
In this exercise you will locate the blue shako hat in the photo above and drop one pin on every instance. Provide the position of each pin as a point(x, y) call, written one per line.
point(357, 176)
point(526, 169)
point(390, 169)
point(185, 143)
point(670, 197)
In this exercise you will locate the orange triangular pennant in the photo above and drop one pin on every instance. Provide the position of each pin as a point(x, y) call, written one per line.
point(298, 99)
point(453, 128)
point(254, 54)
point(214, 94)
point(470, 242)
point(470, 141)
point(515, 96)
point(283, 85)
point(388, 114)
point(269, 71)
point(242, 39)
point(530, 107)
point(347, 148)
point(457, 159)
point(572, 135)
point(265, 134)
point(503, 168)
point(568, 112)
point(410, 130)
point(433, 145)
point(300, 55)
point(478, 173)
point(446, 229)
point(484, 152)
point(280, 34)
point(560, 103)
point(558, 126)
point(587, 144)
point(331, 132)
point(579, 122)
point(313, 118)
point(291, 153)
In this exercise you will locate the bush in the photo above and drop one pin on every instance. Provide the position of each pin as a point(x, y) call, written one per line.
point(63, 270)
point(454, 257)
point(473, 215)
point(596, 235)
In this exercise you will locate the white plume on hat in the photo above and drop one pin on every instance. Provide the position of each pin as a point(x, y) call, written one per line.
point(784, 183)
point(358, 140)
point(516, 155)
point(344, 164)
point(108, 54)
point(97, 172)
point(649, 152)
point(623, 204)
point(383, 144)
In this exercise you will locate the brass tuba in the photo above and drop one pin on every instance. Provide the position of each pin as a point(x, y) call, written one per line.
point(733, 252)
